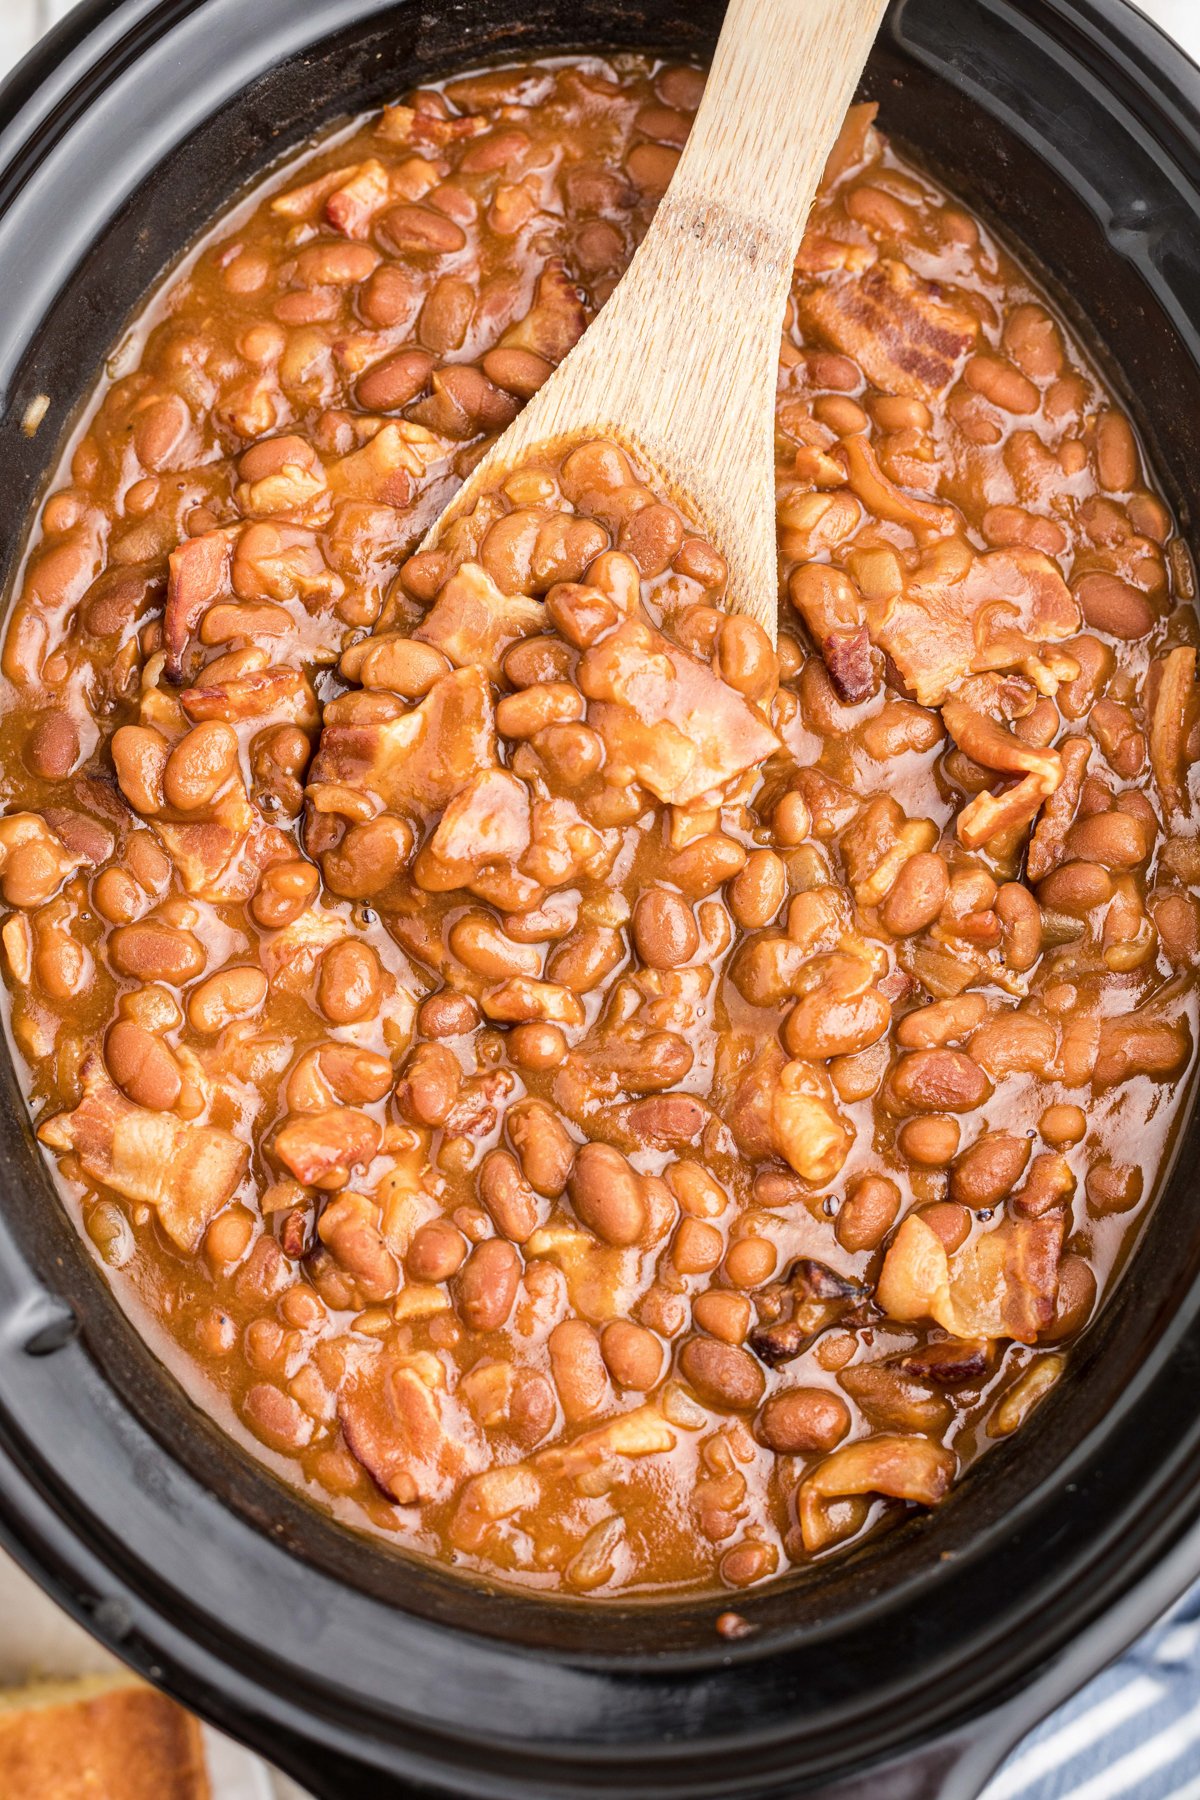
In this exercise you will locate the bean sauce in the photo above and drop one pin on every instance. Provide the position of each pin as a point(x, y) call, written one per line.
point(604, 1100)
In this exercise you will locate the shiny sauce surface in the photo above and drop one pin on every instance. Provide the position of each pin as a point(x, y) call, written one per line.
point(589, 1095)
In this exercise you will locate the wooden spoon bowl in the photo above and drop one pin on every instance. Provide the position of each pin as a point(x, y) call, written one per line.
point(680, 366)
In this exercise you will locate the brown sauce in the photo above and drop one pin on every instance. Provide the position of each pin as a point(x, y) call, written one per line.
point(596, 1098)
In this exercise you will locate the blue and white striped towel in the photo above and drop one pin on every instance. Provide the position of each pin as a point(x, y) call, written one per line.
point(1132, 1734)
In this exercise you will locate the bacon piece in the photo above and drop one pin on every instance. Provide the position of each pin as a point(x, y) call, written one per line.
point(352, 206)
point(278, 693)
point(289, 957)
point(994, 746)
point(187, 1173)
point(394, 1418)
point(806, 1128)
point(853, 144)
point(1170, 721)
point(954, 1362)
point(386, 469)
point(904, 1468)
point(795, 1311)
point(406, 125)
point(208, 857)
point(885, 500)
point(557, 319)
point(903, 333)
point(956, 617)
point(1046, 846)
point(419, 759)
point(474, 623)
point(642, 1432)
point(1002, 1285)
point(488, 1498)
point(667, 719)
point(486, 824)
point(199, 576)
point(848, 658)
point(314, 1146)
point(304, 202)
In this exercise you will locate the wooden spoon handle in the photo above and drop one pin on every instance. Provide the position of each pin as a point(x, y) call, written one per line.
point(681, 364)
point(782, 77)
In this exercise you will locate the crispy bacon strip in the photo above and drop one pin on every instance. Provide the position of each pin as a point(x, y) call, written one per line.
point(901, 331)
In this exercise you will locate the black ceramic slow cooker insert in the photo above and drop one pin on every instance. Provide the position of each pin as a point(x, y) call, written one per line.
point(907, 1669)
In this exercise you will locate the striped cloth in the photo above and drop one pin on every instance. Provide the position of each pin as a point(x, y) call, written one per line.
point(1132, 1734)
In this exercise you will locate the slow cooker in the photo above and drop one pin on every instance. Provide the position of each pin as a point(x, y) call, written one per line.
point(904, 1670)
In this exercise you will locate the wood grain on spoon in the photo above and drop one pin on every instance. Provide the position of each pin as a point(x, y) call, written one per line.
point(680, 366)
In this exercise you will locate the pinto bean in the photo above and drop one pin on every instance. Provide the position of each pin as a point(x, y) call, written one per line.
point(1021, 920)
point(633, 1356)
point(930, 1141)
point(200, 766)
point(508, 1196)
point(230, 994)
point(917, 895)
point(938, 1081)
point(429, 1086)
point(350, 982)
point(543, 1145)
point(723, 1315)
point(803, 1420)
point(1111, 605)
point(150, 951)
point(479, 942)
point(1075, 888)
point(140, 758)
point(664, 929)
point(758, 890)
point(437, 1252)
point(1113, 1187)
point(419, 230)
point(989, 1170)
point(52, 747)
point(750, 1261)
point(722, 1374)
point(1115, 840)
point(697, 1247)
point(369, 857)
point(1075, 1300)
point(392, 383)
point(868, 1213)
point(141, 1064)
point(1116, 452)
point(537, 1046)
point(485, 1290)
point(285, 891)
point(944, 1022)
point(447, 1015)
point(702, 866)
point(606, 1192)
point(579, 1372)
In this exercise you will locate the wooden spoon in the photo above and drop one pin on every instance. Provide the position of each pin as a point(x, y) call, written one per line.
point(680, 365)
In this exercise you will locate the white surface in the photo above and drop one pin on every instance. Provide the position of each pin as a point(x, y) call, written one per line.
point(35, 1638)
point(1179, 17)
